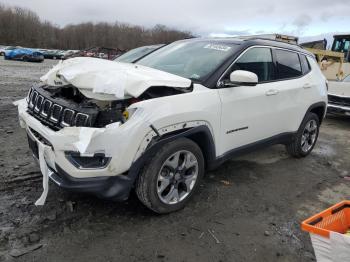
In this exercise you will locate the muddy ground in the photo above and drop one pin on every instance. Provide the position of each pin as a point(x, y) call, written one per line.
point(249, 209)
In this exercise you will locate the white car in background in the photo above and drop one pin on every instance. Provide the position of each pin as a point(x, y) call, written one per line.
point(339, 96)
point(105, 128)
point(2, 50)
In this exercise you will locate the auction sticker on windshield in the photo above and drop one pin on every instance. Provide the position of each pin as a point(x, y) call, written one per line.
point(224, 48)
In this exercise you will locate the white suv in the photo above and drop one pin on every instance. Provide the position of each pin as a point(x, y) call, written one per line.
point(105, 127)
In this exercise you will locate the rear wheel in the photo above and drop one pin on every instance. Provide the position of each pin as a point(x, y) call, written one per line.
point(25, 58)
point(306, 137)
point(170, 178)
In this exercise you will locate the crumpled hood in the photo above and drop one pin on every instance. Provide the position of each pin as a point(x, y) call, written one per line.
point(104, 79)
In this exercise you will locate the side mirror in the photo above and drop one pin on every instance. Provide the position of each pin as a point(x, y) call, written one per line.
point(243, 78)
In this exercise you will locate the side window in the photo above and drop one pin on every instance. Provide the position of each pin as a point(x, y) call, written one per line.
point(288, 64)
point(305, 66)
point(257, 60)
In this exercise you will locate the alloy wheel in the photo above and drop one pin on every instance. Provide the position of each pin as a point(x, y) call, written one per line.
point(177, 177)
point(309, 135)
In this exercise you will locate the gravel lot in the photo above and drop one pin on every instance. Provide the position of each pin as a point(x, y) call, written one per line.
point(247, 210)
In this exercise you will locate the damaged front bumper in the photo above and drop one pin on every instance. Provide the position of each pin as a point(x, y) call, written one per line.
point(114, 147)
point(112, 187)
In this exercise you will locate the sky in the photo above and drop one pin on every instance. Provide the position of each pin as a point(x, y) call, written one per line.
point(304, 18)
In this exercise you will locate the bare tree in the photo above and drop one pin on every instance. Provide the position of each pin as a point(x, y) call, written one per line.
point(20, 26)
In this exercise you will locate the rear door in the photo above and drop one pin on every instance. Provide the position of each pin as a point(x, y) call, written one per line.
point(294, 84)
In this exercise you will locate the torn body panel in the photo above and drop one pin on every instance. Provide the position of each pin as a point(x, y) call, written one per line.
point(94, 119)
point(108, 80)
point(123, 142)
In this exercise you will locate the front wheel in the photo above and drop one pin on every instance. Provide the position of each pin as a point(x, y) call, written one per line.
point(170, 178)
point(306, 137)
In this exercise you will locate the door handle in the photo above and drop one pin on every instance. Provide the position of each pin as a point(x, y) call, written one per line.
point(272, 92)
point(307, 85)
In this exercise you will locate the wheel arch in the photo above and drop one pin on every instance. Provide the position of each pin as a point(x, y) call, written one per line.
point(319, 109)
point(201, 135)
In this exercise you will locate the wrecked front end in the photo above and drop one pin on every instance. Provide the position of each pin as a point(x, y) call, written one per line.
point(80, 148)
point(84, 140)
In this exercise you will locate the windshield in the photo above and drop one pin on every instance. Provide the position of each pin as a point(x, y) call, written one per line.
point(135, 54)
point(190, 59)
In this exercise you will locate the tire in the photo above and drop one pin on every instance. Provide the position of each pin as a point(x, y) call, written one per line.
point(306, 137)
point(25, 59)
point(162, 186)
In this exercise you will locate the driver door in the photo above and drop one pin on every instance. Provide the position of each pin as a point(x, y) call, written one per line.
point(249, 112)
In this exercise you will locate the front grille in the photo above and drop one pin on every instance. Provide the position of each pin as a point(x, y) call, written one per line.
point(68, 117)
point(57, 113)
point(81, 119)
point(338, 100)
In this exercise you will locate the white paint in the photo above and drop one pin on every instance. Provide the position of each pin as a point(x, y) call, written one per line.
point(109, 80)
point(339, 88)
point(242, 76)
point(45, 172)
point(222, 110)
point(336, 248)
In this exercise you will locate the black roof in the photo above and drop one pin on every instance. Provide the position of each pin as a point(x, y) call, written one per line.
point(342, 36)
point(247, 42)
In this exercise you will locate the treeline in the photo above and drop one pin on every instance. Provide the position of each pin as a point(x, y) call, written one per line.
point(23, 27)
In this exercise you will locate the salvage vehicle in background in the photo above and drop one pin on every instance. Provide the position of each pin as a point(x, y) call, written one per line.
point(69, 54)
point(53, 54)
point(98, 52)
point(7, 49)
point(104, 127)
point(24, 54)
point(339, 96)
point(334, 63)
point(2, 50)
point(136, 54)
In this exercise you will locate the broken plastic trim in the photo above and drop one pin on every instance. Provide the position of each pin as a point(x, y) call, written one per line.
point(97, 161)
point(155, 130)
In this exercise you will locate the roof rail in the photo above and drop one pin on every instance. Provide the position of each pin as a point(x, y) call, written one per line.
point(274, 37)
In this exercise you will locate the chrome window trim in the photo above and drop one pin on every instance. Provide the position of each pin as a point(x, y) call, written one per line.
point(218, 83)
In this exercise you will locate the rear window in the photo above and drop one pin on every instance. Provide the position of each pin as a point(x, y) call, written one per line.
point(288, 64)
point(305, 64)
